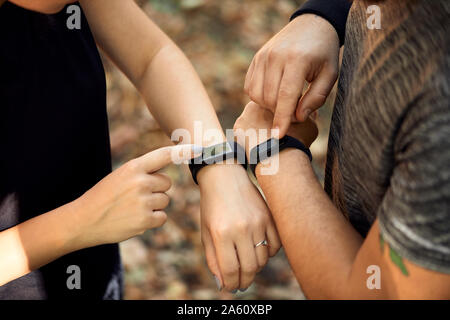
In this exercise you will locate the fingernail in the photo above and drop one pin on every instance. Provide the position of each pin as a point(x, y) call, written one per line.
point(234, 291)
point(306, 113)
point(219, 286)
point(197, 149)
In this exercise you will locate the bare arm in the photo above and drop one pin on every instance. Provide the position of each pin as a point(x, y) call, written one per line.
point(328, 256)
point(35, 243)
point(119, 207)
point(330, 259)
point(234, 216)
point(153, 63)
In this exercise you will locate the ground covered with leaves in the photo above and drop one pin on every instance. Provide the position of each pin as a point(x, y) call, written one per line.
point(220, 38)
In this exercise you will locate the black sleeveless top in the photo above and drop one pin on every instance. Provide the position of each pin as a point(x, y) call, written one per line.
point(54, 142)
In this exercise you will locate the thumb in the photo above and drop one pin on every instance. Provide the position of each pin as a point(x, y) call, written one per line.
point(316, 95)
point(159, 158)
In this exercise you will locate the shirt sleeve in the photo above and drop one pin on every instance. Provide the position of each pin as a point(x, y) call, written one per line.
point(414, 216)
point(334, 11)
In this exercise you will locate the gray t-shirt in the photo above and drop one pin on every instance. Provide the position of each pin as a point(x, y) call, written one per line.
point(389, 145)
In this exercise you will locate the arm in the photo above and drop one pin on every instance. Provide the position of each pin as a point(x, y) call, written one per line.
point(330, 259)
point(328, 256)
point(36, 242)
point(234, 216)
point(155, 65)
point(119, 207)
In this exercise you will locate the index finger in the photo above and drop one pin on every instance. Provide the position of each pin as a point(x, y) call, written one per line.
point(291, 88)
point(159, 158)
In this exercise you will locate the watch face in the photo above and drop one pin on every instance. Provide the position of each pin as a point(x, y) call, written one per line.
point(217, 152)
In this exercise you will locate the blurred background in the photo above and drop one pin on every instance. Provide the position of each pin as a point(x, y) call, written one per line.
point(220, 38)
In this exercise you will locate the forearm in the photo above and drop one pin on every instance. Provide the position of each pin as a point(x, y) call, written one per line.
point(177, 98)
point(153, 63)
point(36, 242)
point(320, 243)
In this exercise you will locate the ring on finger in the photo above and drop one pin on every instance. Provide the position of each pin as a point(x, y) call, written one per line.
point(262, 243)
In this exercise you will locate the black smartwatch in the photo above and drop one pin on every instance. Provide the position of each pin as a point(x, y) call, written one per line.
point(273, 146)
point(216, 154)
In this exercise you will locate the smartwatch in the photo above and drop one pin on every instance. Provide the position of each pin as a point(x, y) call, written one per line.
point(217, 153)
point(273, 146)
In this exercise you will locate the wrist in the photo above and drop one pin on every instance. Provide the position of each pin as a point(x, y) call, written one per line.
point(219, 172)
point(75, 227)
point(66, 228)
point(333, 12)
point(268, 153)
point(289, 160)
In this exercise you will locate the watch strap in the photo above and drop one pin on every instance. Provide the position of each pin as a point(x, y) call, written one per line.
point(273, 146)
point(196, 164)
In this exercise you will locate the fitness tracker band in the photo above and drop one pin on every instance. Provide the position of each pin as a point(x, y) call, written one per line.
point(215, 154)
point(273, 146)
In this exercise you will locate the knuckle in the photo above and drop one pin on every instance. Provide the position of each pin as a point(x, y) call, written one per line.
point(297, 54)
point(141, 181)
point(141, 184)
point(131, 165)
point(242, 226)
point(165, 200)
point(250, 270)
point(285, 92)
point(259, 55)
point(168, 184)
point(158, 222)
point(144, 204)
point(259, 224)
point(163, 182)
point(273, 55)
point(269, 97)
point(246, 88)
point(221, 231)
point(294, 54)
point(253, 94)
point(230, 271)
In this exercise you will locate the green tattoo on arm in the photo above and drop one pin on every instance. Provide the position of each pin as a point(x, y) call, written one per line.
point(395, 257)
point(381, 243)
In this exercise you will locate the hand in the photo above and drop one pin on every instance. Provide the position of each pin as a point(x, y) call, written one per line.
point(307, 49)
point(234, 217)
point(128, 201)
point(255, 118)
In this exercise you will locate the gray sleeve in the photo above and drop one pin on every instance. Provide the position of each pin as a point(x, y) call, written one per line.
point(414, 216)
